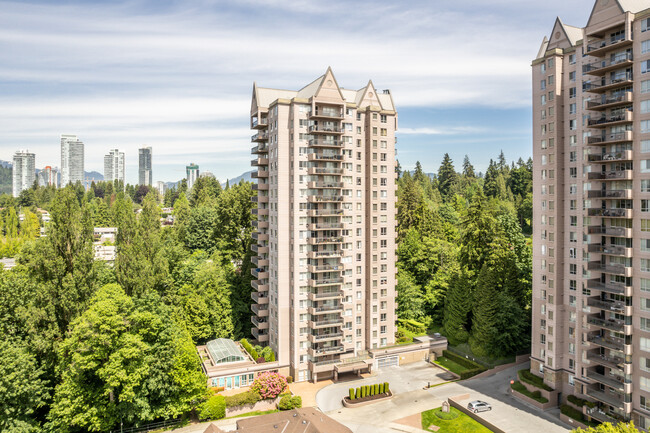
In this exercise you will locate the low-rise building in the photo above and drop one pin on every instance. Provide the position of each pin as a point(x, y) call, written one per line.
point(104, 243)
point(305, 420)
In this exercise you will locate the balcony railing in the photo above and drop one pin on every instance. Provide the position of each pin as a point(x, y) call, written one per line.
point(615, 288)
point(614, 250)
point(616, 213)
point(609, 361)
point(320, 337)
point(605, 85)
point(612, 399)
point(597, 414)
point(326, 128)
point(613, 381)
point(326, 240)
point(614, 306)
point(259, 122)
point(600, 67)
point(611, 156)
point(608, 342)
point(325, 226)
point(613, 324)
point(325, 281)
point(617, 269)
point(260, 136)
point(610, 231)
point(324, 212)
point(604, 121)
point(327, 113)
point(611, 175)
point(599, 47)
point(618, 137)
point(324, 198)
point(612, 101)
point(325, 143)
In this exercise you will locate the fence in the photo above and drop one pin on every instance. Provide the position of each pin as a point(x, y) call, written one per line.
point(149, 427)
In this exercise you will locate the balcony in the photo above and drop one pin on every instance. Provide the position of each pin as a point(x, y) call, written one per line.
point(260, 297)
point(611, 250)
point(325, 143)
point(324, 198)
point(605, 194)
point(611, 175)
point(614, 288)
point(605, 102)
point(324, 212)
point(325, 268)
point(260, 224)
point(259, 123)
point(259, 161)
point(325, 254)
point(260, 310)
point(326, 309)
point(325, 282)
point(604, 66)
point(325, 240)
point(610, 231)
point(325, 129)
point(325, 322)
point(259, 261)
point(260, 173)
point(610, 398)
point(259, 323)
point(614, 306)
point(321, 157)
point(601, 416)
point(326, 113)
point(613, 381)
point(260, 136)
point(318, 338)
point(599, 48)
point(260, 187)
point(610, 269)
point(608, 342)
point(259, 286)
point(604, 121)
point(326, 226)
point(336, 185)
point(612, 213)
point(625, 155)
point(607, 85)
point(611, 324)
point(260, 211)
point(259, 249)
point(607, 361)
point(260, 336)
point(605, 139)
point(325, 170)
point(322, 351)
point(260, 148)
point(260, 199)
point(260, 236)
point(321, 296)
point(260, 273)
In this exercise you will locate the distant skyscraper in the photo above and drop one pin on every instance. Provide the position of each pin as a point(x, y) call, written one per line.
point(48, 177)
point(24, 172)
point(114, 166)
point(161, 187)
point(72, 159)
point(192, 174)
point(144, 171)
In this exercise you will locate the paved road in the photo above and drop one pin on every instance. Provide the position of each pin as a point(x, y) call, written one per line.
point(509, 414)
point(403, 379)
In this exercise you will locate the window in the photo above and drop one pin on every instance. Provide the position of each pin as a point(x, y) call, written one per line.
point(645, 166)
point(645, 86)
point(645, 25)
point(645, 324)
point(543, 68)
point(645, 245)
point(572, 92)
point(645, 225)
point(645, 66)
point(573, 124)
point(645, 126)
point(572, 108)
point(572, 59)
point(645, 185)
point(543, 98)
point(550, 80)
point(644, 383)
point(645, 265)
point(645, 47)
point(572, 76)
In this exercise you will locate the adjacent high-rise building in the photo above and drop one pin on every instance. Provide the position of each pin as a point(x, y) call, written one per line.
point(114, 166)
point(23, 171)
point(72, 160)
point(324, 288)
point(48, 177)
point(145, 175)
point(192, 172)
point(591, 237)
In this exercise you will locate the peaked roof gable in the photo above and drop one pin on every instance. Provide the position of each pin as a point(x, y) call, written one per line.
point(368, 96)
point(604, 8)
point(328, 87)
point(560, 37)
point(254, 98)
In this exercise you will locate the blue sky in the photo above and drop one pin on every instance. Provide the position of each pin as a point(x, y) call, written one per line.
point(177, 75)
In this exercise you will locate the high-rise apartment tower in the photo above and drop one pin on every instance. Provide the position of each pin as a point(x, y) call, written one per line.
point(324, 247)
point(145, 175)
point(114, 166)
point(591, 236)
point(192, 172)
point(72, 160)
point(23, 171)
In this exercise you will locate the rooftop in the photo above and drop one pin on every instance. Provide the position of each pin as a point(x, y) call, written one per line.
point(305, 420)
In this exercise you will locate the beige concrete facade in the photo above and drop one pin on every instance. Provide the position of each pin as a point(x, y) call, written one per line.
point(325, 251)
point(591, 237)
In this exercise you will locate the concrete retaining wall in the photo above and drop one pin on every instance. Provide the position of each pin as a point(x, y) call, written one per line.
point(543, 406)
point(551, 396)
point(568, 420)
point(475, 416)
point(262, 405)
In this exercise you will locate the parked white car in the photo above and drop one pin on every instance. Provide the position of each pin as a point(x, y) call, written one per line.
point(477, 406)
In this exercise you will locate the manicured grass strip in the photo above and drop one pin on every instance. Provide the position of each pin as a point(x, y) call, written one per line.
point(450, 365)
point(537, 396)
point(460, 424)
point(254, 413)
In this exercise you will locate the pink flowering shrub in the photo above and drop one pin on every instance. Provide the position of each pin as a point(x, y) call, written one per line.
point(269, 385)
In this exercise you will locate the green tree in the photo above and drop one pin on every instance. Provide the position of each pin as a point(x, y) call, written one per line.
point(468, 168)
point(410, 302)
point(458, 306)
point(447, 176)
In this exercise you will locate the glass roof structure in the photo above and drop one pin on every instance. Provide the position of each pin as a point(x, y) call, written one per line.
point(223, 350)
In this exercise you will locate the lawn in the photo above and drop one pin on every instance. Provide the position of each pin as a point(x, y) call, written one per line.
point(460, 423)
point(450, 365)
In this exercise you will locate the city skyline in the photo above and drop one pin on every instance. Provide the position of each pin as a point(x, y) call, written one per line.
point(111, 98)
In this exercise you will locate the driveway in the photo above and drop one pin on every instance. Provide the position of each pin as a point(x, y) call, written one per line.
point(508, 413)
point(401, 379)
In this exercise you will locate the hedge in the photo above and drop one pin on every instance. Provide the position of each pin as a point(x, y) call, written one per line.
point(351, 394)
point(367, 390)
point(213, 408)
point(249, 348)
point(528, 377)
point(287, 402)
point(473, 368)
point(537, 395)
point(572, 412)
point(580, 402)
point(243, 398)
point(413, 325)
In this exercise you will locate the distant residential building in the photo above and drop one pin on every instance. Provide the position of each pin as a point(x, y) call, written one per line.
point(72, 160)
point(192, 174)
point(207, 174)
point(145, 175)
point(48, 176)
point(24, 171)
point(104, 243)
point(161, 187)
point(114, 166)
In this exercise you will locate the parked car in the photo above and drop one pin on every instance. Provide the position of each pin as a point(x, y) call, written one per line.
point(477, 406)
